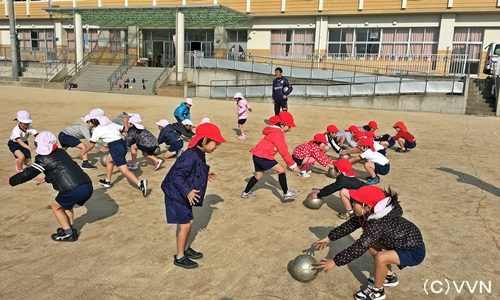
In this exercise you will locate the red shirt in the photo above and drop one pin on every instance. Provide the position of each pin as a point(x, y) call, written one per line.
point(272, 143)
point(404, 135)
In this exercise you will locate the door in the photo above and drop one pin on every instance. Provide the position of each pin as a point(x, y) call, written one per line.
point(158, 55)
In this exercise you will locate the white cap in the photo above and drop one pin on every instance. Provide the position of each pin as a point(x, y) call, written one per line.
point(97, 112)
point(162, 123)
point(189, 101)
point(205, 120)
point(45, 142)
point(137, 121)
point(88, 118)
point(23, 116)
point(187, 122)
point(238, 95)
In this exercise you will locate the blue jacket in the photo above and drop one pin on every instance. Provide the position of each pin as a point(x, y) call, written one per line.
point(182, 112)
point(190, 171)
point(168, 135)
point(278, 85)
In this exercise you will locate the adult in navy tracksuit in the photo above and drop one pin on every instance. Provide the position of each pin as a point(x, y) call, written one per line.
point(280, 95)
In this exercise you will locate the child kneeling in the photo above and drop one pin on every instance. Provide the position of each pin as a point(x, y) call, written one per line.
point(72, 183)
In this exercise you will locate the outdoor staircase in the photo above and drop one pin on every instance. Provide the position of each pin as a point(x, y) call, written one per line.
point(94, 78)
point(147, 74)
point(480, 101)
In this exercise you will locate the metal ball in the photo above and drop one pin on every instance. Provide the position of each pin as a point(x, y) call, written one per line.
point(103, 160)
point(331, 172)
point(346, 156)
point(157, 151)
point(302, 268)
point(313, 203)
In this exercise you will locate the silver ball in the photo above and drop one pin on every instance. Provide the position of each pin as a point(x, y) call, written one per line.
point(346, 156)
point(103, 160)
point(158, 151)
point(313, 203)
point(302, 268)
point(331, 172)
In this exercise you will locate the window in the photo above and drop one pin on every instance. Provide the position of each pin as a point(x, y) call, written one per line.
point(386, 42)
point(36, 39)
point(90, 39)
point(115, 41)
point(235, 36)
point(292, 42)
point(468, 42)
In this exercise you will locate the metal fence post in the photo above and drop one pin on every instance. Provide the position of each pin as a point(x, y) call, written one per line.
point(400, 81)
point(426, 80)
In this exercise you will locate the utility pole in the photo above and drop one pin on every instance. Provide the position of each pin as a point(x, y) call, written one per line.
point(13, 42)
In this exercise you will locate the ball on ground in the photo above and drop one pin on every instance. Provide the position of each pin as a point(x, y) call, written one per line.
point(302, 268)
point(313, 203)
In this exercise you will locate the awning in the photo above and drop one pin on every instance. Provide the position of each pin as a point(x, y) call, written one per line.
point(121, 17)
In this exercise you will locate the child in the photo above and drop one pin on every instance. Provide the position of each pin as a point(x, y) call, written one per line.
point(405, 139)
point(185, 186)
point(173, 135)
point(390, 238)
point(183, 111)
point(369, 129)
point(347, 137)
point(18, 142)
point(72, 183)
point(111, 135)
point(242, 109)
point(332, 139)
point(264, 152)
point(71, 136)
point(375, 163)
point(140, 138)
point(346, 180)
point(307, 154)
point(361, 135)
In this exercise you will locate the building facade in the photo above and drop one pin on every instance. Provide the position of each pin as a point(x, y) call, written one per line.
point(346, 30)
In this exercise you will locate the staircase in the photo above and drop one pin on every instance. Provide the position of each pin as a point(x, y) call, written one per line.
point(94, 78)
point(480, 101)
point(149, 76)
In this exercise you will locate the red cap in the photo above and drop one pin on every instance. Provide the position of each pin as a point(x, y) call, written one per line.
point(401, 125)
point(320, 137)
point(367, 142)
point(206, 130)
point(373, 125)
point(345, 167)
point(274, 120)
point(332, 129)
point(369, 194)
point(370, 134)
point(358, 135)
point(353, 129)
point(287, 118)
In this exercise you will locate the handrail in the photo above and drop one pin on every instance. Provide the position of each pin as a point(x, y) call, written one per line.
point(119, 72)
point(74, 71)
point(157, 80)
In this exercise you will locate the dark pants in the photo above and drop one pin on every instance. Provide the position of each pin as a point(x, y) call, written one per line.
point(279, 105)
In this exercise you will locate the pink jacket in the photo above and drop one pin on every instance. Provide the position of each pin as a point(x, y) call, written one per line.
point(272, 143)
point(242, 107)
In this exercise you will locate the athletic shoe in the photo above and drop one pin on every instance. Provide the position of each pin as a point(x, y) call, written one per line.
point(370, 293)
point(309, 172)
point(61, 236)
point(373, 181)
point(87, 165)
point(105, 183)
point(390, 280)
point(143, 185)
point(157, 164)
point(290, 195)
point(345, 216)
point(242, 137)
point(132, 166)
point(58, 230)
point(247, 195)
point(402, 150)
point(304, 174)
point(192, 254)
point(185, 262)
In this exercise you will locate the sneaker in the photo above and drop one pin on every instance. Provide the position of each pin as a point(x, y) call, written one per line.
point(290, 195)
point(192, 254)
point(402, 150)
point(185, 262)
point(132, 166)
point(105, 183)
point(61, 236)
point(309, 172)
point(390, 280)
point(345, 216)
point(373, 181)
point(244, 195)
point(242, 137)
point(87, 165)
point(143, 185)
point(157, 164)
point(370, 293)
point(304, 174)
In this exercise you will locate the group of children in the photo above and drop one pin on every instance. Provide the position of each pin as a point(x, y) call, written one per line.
point(389, 237)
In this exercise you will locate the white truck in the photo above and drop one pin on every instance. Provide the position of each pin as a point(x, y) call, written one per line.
point(492, 59)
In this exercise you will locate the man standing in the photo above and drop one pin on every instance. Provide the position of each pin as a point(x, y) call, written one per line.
point(281, 89)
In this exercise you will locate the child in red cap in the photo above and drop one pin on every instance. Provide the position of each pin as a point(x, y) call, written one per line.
point(347, 137)
point(403, 137)
point(264, 152)
point(374, 162)
point(307, 154)
point(332, 139)
point(369, 129)
point(185, 185)
point(390, 238)
point(346, 180)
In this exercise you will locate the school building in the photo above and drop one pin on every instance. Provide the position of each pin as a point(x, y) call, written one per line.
point(351, 31)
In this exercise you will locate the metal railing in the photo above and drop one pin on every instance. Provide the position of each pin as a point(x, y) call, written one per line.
point(118, 73)
point(157, 80)
point(71, 74)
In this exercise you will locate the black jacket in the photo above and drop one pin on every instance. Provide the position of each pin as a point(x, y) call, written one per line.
point(278, 85)
point(59, 168)
point(342, 182)
point(387, 227)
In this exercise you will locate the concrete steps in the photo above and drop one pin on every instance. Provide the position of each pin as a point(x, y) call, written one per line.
point(480, 100)
point(94, 78)
point(147, 74)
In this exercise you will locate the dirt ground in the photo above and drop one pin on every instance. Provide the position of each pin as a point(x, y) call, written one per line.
point(449, 187)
